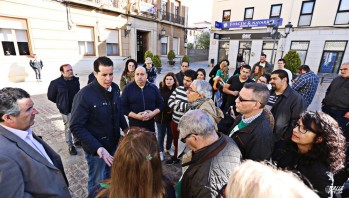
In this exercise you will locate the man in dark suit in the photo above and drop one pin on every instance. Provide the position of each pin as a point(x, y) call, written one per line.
point(28, 166)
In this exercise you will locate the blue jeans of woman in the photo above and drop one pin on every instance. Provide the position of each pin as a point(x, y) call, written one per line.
point(164, 129)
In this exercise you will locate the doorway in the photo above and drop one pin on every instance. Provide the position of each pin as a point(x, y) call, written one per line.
point(142, 45)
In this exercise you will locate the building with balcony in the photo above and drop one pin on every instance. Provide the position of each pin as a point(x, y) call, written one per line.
point(79, 31)
point(320, 31)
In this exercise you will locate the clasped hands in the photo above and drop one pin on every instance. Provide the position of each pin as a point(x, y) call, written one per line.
point(145, 115)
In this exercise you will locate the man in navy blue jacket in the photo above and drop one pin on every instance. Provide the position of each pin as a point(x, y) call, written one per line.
point(141, 101)
point(96, 121)
point(62, 91)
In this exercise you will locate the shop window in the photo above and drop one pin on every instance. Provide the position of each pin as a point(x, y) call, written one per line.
point(112, 42)
point(332, 56)
point(342, 16)
point(245, 50)
point(275, 11)
point(302, 49)
point(306, 13)
point(267, 49)
point(85, 37)
point(223, 50)
point(13, 36)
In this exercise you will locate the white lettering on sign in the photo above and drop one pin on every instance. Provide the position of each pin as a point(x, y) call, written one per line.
point(246, 36)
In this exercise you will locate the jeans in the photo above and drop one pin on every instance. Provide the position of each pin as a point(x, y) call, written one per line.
point(98, 170)
point(164, 129)
point(67, 132)
point(37, 73)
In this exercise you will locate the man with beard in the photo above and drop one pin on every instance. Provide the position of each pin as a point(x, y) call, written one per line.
point(234, 85)
point(285, 104)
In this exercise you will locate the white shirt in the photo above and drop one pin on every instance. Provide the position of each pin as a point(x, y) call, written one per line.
point(27, 136)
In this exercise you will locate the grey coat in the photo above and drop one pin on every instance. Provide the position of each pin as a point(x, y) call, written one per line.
point(26, 173)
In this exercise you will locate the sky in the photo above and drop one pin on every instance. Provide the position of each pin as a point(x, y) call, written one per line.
point(199, 10)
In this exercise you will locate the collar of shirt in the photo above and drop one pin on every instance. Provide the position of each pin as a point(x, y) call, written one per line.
point(250, 119)
point(109, 89)
point(19, 133)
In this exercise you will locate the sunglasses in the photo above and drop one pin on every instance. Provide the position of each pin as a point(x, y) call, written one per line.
point(184, 139)
point(243, 100)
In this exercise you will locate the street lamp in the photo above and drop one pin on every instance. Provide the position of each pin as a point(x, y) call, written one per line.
point(273, 29)
point(128, 29)
point(163, 33)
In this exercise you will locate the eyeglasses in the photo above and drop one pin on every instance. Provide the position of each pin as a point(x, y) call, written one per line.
point(303, 131)
point(184, 139)
point(344, 69)
point(243, 100)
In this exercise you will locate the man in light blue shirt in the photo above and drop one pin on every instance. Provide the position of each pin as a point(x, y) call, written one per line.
point(28, 166)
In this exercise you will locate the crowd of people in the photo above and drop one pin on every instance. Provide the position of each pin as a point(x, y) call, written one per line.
point(244, 135)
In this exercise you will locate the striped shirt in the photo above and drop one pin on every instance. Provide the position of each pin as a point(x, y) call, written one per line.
point(178, 101)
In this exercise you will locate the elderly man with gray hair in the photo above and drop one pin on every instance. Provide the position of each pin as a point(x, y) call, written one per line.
point(199, 97)
point(214, 156)
point(252, 131)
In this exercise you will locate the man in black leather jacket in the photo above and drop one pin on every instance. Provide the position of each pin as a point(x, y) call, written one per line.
point(96, 120)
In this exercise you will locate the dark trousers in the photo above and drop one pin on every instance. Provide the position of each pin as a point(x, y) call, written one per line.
point(37, 73)
point(175, 136)
point(338, 115)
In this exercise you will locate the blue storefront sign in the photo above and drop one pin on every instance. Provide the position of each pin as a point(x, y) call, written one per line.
point(248, 23)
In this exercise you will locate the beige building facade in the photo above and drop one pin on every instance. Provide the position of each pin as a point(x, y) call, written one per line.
point(320, 32)
point(79, 31)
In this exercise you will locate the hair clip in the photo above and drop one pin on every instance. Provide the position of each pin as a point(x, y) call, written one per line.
point(148, 157)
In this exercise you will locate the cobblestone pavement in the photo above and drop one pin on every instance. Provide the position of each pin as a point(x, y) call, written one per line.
point(50, 126)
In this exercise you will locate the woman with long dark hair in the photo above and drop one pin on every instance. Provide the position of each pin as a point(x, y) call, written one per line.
point(136, 169)
point(128, 75)
point(163, 119)
point(316, 151)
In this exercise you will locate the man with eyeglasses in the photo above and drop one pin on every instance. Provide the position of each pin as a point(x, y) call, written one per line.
point(180, 74)
point(306, 84)
point(285, 104)
point(234, 85)
point(62, 91)
point(214, 156)
point(251, 130)
point(336, 101)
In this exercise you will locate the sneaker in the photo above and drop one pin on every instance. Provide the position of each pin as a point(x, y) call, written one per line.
point(173, 161)
point(170, 152)
point(72, 150)
point(161, 156)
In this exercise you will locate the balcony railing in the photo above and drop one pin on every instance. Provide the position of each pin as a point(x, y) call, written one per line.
point(173, 18)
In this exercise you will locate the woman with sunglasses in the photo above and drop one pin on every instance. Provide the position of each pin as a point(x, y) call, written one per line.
point(316, 151)
point(136, 169)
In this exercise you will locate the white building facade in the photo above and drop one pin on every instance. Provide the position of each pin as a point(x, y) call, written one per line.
point(320, 31)
point(79, 31)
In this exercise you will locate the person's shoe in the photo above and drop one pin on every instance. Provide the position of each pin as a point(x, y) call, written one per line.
point(170, 152)
point(161, 156)
point(173, 161)
point(72, 150)
point(77, 144)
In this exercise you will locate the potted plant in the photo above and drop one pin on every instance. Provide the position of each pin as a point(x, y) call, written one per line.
point(171, 56)
point(148, 54)
point(157, 63)
point(185, 58)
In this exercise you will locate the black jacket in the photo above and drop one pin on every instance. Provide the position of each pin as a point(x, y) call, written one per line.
point(95, 121)
point(268, 67)
point(135, 99)
point(58, 93)
point(180, 78)
point(286, 111)
point(314, 172)
point(165, 116)
point(210, 168)
point(256, 140)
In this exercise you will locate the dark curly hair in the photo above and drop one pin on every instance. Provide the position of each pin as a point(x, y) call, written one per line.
point(332, 149)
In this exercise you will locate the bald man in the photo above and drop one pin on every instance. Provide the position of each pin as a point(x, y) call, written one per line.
point(141, 101)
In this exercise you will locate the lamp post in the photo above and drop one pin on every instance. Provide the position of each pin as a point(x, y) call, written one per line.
point(273, 29)
point(163, 33)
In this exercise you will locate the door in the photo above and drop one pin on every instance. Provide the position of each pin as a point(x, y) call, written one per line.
point(141, 46)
